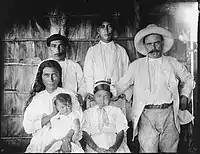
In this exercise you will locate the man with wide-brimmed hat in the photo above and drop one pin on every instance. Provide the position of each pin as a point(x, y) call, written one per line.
point(158, 108)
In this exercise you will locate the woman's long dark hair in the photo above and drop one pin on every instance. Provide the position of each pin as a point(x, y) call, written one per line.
point(38, 84)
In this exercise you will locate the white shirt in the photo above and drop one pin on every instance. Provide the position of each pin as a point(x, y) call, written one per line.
point(42, 105)
point(106, 136)
point(72, 77)
point(171, 71)
point(159, 91)
point(105, 61)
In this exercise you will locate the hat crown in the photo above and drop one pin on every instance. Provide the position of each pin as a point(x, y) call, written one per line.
point(152, 25)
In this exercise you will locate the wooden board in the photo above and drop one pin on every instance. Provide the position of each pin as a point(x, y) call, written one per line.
point(19, 77)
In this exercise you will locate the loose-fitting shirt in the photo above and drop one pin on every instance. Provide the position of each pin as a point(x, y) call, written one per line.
point(56, 129)
point(156, 88)
point(42, 105)
point(105, 61)
point(72, 77)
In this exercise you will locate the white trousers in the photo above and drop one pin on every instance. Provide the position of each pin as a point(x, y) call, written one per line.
point(157, 131)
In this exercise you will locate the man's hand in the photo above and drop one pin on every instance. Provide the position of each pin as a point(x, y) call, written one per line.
point(183, 102)
point(115, 98)
point(89, 97)
point(80, 99)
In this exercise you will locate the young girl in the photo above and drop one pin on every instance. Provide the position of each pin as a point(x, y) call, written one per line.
point(63, 132)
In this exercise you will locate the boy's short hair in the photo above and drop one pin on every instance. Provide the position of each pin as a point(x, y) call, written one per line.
point(107, 18)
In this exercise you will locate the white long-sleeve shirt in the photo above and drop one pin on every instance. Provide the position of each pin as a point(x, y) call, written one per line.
point(41, 105)
point(72, 77)
point(158, 86)
point(105, 61)
point(156, 82)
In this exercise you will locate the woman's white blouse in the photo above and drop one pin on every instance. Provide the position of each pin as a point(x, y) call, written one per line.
point(42, 105)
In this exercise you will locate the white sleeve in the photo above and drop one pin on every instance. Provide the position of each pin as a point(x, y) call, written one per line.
point(125, 60)
point(81, 82)
point(127, 80)
point(128, 92)
point(32, 118)
point(185, 77)
point(88, 71)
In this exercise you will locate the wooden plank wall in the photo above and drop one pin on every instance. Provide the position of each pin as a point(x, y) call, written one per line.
point(22, 46)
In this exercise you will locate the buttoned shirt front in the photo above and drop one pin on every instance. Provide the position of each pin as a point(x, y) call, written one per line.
point(158, 86)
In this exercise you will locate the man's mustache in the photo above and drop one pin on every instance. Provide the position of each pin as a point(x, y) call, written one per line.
point(153, 51)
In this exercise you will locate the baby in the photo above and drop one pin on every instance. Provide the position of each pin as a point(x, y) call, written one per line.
point(64, 132)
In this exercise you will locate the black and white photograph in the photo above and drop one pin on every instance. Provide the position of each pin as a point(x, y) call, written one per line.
point(100, 76)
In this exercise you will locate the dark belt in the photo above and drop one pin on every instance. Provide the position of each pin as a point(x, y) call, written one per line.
point(162, 106)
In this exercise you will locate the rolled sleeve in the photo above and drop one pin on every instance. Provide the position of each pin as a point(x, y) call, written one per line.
point(185, 77)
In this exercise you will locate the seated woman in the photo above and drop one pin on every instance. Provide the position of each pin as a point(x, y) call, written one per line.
point(39, 108)
point(104, 125)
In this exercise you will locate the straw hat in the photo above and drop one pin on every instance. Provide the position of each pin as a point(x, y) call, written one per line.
point(153, 29)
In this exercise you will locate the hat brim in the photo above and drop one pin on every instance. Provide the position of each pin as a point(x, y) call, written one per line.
point(103, 86)
point(167, 36)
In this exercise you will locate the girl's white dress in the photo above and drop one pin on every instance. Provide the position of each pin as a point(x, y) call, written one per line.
point(103, 126)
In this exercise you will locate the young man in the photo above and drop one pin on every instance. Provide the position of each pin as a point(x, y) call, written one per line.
point(106, 60)
point(155, 111)
point(72, 74)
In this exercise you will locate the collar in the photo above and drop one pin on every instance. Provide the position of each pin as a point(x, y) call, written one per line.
point(107, 44)
point(155, 60)
point(97, 107)
point(55, 91)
